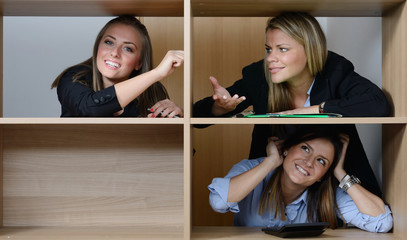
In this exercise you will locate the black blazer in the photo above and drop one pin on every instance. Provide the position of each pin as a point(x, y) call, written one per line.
point(344, 92)
point(78, 99)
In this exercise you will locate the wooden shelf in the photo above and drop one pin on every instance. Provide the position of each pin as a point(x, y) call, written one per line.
point(347, 120)
point(91, 233)
point(91, 7)
point(119, 121)
point(263, 8)
point(243, 233)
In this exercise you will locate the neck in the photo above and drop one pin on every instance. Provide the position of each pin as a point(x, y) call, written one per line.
point(298, 91)
point(290, 190)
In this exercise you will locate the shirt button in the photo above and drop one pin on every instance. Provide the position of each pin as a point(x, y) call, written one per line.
point(96, 101)
point(102, 99)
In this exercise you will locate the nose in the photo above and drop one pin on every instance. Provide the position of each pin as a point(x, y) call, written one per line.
point(308, 161)
point(271, 57)
point(115, 52)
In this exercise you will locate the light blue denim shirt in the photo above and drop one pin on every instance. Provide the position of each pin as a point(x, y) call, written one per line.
point(246, 211)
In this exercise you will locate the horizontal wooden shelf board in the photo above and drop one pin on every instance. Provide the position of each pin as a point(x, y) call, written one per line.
point(330, 8)
point(237, 233)
point(345, 120)
point(91, 7)
point(92, 121)
point(91, 233)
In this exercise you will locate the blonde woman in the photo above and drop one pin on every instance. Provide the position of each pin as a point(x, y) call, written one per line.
point(300, 180)
point(119, 79)
point(299, 75)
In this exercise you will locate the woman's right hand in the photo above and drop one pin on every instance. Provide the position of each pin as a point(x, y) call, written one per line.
point(171, 60)
point(224, 103)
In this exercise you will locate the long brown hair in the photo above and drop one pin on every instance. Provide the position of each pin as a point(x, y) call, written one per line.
point(321, 198)
point(306, 30)
point(150, 96)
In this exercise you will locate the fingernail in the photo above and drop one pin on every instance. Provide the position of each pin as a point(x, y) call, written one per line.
point(153, 116)
point(151, 110)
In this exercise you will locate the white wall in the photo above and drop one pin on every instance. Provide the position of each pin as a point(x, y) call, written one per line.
point(359, 39)
point(36, 50)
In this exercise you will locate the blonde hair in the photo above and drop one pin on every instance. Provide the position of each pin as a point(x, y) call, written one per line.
point(304, 29)
point(149, 97)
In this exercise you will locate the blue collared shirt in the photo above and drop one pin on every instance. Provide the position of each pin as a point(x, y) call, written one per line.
point(246, 211)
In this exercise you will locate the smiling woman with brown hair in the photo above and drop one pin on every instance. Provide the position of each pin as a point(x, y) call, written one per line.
point(301, 180)
point(119, 79)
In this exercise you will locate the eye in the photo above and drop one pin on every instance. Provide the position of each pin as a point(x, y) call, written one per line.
point(128, 49)
point(108, 42)
point(305, 148)
point(322, 161)
point(283, 49)
point(268, 50)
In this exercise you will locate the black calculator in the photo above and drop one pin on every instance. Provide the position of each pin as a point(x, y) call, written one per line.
point(297, 229)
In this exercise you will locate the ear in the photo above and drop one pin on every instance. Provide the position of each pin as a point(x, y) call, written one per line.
point(138, 67)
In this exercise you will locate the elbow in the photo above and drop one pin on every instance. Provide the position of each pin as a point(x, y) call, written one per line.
point(217, 204)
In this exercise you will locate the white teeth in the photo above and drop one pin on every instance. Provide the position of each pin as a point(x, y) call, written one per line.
point(301, 170)
point(112, 64)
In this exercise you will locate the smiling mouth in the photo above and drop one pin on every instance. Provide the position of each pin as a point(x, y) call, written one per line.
point(301, 170)
point(112, 64)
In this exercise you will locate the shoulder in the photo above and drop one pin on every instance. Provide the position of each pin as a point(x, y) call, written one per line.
point(255, 69)
point(78, 73)
point(337, 64)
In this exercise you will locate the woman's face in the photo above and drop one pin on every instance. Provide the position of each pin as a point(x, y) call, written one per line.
point(307, 162)
point(119, 53)
point(285, 57)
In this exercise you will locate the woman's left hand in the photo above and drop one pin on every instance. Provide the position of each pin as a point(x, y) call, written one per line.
point(165, 109)
point(339, 170)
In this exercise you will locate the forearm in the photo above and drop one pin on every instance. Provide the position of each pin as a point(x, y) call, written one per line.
point(240, 186)
point(366, 202)
point(130, 89)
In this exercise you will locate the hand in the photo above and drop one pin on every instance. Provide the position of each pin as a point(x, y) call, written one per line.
point(224, 103)
point(303, 110)
point(274, 152)
point(165, 108)
point(339, 170)
point(172, 60)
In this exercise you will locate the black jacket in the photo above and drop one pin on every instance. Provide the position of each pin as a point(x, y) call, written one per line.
point(344, 91)
point(79, 100)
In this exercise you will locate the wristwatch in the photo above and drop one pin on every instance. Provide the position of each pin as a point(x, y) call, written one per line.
point(349, 182)
point(321, 107)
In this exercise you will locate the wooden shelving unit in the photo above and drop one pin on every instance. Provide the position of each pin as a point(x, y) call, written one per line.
point(92, 178)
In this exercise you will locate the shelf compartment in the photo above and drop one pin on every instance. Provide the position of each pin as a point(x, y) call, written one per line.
point(93, 175)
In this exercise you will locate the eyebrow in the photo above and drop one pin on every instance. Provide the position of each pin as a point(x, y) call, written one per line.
point(123, 42)
point(279, 45)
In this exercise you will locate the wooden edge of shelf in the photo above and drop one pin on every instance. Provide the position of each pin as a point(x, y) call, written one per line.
point(7, 121)
point(344, 120)
point(235, 233)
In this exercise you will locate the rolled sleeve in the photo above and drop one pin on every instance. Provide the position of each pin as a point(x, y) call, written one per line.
point(351, 214)
point(219, 188)
point(219, 194)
